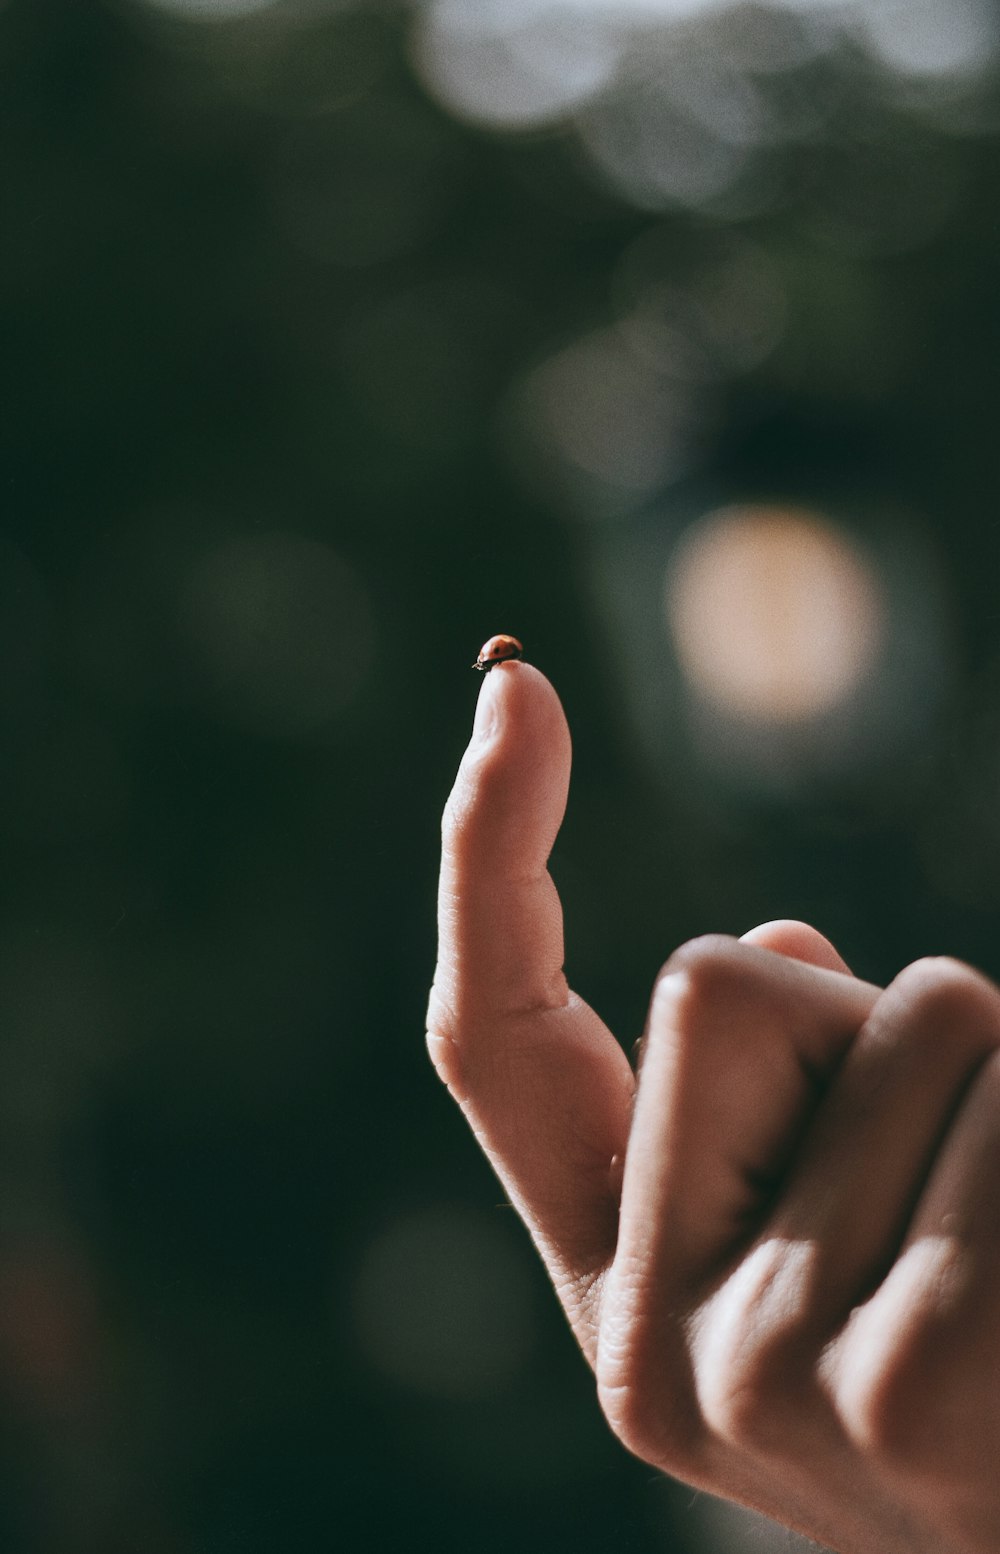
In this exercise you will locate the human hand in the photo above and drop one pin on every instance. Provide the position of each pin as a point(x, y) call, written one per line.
point(779, 1251)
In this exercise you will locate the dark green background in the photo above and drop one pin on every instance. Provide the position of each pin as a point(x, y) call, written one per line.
point(218, 931)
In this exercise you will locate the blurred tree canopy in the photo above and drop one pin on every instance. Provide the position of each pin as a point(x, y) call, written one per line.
point(337, 337)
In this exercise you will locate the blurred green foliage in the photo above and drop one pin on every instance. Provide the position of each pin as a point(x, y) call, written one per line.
point(266, 305)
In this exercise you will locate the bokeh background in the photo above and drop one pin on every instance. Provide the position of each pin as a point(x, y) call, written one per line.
point(335, 337)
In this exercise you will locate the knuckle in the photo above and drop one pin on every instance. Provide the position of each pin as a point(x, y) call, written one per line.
point(751, 1415)
point(938, 989)
point(442, 1043)
point(903, 1416)
point(898, 1371)
point(755, 1350)
point(885, 1412)
point(706, 958)
point(695, 981)
point(456, 813)
point(444, 1055)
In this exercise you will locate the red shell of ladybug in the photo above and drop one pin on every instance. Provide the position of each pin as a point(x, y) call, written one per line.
point(498, 650)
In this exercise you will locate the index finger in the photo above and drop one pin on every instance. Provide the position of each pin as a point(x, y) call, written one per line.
point(499, 918)
point(542, 1081)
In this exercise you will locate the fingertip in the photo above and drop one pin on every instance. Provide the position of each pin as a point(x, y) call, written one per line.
point(797, 941)
point(504, 812)
point(513, 782)
point(516, 698)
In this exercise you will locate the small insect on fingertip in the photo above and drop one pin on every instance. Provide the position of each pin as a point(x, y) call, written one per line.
point(498, 650)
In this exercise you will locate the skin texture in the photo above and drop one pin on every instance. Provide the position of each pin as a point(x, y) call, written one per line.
point(779, 1250)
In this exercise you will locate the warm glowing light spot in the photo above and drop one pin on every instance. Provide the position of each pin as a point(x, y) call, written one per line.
point(775, 614)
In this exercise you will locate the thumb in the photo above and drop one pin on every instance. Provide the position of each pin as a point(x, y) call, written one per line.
point(542, 1081)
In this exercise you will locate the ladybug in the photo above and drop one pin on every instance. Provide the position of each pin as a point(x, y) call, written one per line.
point(498, 650)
